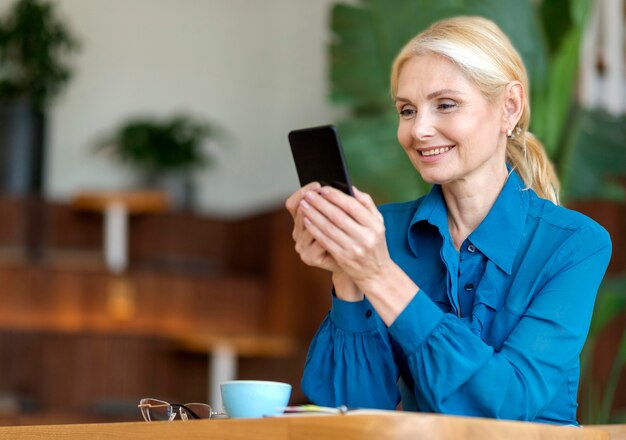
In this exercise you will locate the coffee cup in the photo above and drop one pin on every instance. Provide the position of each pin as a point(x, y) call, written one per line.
point(254, 398)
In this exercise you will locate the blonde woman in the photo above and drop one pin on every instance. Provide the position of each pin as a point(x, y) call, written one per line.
point(475, 299)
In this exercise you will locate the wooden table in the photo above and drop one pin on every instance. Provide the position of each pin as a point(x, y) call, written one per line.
point(617, 432)
point(379, 426)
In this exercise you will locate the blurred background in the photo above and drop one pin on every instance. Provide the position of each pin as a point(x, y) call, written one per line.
point(144, 164)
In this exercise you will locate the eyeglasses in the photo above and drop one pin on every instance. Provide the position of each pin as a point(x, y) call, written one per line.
point(154, 410)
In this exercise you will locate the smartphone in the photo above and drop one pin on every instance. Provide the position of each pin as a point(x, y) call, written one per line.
point(319, 157)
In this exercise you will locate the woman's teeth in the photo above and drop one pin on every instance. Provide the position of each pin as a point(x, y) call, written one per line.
point(435, 151)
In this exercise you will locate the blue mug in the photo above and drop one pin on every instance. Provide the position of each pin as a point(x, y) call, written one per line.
point(254, 398)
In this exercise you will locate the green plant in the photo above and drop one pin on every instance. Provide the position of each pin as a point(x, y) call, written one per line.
point(34, 44)
point(156, 146)
point(593, 156)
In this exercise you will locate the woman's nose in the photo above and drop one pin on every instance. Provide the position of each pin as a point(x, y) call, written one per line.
point(423, 127)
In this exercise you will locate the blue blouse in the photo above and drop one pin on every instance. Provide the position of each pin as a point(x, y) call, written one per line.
point(496, 328)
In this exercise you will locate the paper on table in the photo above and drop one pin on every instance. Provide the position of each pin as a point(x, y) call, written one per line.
point(313, 409)
point(316, 410)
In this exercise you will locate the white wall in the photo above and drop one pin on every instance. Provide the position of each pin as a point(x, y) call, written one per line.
point(256, 67)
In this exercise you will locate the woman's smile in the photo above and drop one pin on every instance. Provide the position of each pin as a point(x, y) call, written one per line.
point(434, 153)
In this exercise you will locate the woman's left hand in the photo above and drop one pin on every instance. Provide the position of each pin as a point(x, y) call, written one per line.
point(351, 229)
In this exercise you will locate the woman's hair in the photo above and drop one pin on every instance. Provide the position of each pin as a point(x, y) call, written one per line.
point(486, 56)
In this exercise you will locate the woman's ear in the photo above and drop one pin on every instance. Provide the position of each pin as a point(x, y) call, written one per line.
point(514, 99)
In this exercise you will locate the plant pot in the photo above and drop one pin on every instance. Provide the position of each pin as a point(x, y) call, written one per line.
point(178, 185)
point(22, 129)
point(21, 148)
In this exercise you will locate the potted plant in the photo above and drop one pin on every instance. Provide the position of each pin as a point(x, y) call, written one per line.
point(34, 45)
point(165, 152)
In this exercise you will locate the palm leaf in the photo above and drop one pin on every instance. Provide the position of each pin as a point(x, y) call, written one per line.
point(598, 154)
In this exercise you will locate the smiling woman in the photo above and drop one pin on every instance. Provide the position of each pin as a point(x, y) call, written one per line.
point(475, 299)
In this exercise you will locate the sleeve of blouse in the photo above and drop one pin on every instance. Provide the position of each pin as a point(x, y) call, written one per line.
point(350, 360)
point(455, 371)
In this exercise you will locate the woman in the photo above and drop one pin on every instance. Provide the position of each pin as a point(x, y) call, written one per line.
point(475, 299)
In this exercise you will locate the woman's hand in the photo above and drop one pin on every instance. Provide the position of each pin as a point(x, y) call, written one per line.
point(350, 231)
point(346, 235)
point(311, 253)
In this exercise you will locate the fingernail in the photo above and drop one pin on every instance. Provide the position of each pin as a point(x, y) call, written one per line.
point(304, 204)
point(310, 195)
point(307, 221)
point(325, 190)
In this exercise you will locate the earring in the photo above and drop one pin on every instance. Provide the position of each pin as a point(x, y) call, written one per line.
point(509, 133)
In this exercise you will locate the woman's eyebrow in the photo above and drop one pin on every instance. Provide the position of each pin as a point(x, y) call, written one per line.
point(443, 92)
point(434, 94)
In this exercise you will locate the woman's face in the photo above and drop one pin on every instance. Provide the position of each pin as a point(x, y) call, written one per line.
point(449, 130)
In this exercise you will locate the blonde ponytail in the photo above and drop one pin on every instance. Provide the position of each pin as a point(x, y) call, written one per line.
point(486, 56)
point(527, 156)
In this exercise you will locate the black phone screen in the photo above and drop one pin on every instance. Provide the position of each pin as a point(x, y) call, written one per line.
point(319, 157)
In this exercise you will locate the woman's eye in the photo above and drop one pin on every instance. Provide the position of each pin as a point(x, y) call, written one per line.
point(407, 112)
point(446, 105)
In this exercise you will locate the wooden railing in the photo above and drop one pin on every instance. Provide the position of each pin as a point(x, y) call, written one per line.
point(203, 300)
